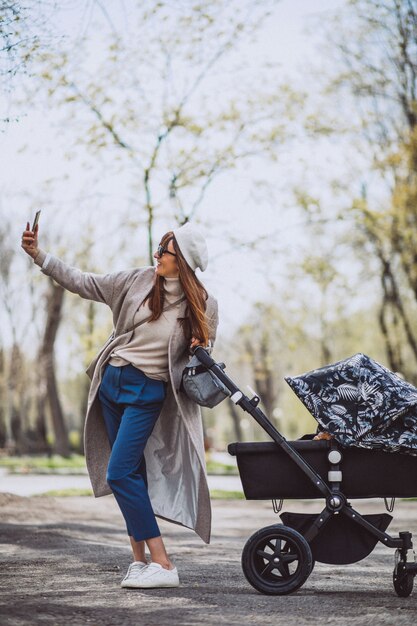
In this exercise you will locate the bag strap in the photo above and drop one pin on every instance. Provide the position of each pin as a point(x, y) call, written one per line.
point(166, 308)
point(193, 370)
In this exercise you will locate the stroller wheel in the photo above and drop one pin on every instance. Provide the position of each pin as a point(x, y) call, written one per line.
point(276, 560)
point(403, 580)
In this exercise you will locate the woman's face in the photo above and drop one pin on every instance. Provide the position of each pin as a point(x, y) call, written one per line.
point(166, 261)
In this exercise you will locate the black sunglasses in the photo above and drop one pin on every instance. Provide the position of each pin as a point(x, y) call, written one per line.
point(163, 250)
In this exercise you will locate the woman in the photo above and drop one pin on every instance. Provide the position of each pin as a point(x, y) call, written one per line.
point(143, 438)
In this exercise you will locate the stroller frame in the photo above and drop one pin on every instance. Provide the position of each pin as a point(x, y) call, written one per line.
point(270, 552)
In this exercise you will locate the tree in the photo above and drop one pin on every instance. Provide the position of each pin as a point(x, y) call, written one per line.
point(47, 365)
point(12, 360)
point(264, 350)
point(374, 43)
point(137, 111)
point(23, 26)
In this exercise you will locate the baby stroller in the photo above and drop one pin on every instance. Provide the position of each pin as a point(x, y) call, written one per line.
point(278, 559)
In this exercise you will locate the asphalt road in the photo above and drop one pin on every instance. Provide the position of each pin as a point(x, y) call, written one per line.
point(63, 559)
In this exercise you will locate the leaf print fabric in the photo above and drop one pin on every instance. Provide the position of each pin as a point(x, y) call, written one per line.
point(361, 403)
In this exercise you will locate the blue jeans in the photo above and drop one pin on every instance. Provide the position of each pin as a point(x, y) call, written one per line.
point(131, 403)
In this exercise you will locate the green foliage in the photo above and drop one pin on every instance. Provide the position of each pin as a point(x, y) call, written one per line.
point(295, 345)
point(74, 439)
point(132, 109)
point(27, 464)
point(215, 494)
point(220, 494)
point(65, 493)
point(221, 469)
point(372, 46)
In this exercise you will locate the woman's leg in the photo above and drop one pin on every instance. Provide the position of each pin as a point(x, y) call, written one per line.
point(125, 472)
point(112, 415)
point(138, 549)
point(131, 404)
point(157, 551)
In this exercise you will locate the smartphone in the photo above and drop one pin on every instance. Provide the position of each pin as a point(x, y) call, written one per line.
point(36, 220)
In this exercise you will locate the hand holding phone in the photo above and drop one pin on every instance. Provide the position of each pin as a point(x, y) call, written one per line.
point(30, 237)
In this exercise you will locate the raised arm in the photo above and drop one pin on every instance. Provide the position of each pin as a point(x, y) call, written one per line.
point(98, 287)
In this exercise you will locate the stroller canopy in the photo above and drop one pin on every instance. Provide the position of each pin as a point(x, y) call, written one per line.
point(361, 403)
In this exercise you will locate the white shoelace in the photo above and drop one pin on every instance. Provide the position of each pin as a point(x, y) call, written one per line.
point(134, 569)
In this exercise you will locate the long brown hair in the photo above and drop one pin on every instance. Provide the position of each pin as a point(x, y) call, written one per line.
point(194, 322)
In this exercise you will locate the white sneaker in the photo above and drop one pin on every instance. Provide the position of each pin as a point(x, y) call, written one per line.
point(154, 575)
point(132, 573)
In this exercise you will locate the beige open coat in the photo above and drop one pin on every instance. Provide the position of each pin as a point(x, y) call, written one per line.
point(174, 453)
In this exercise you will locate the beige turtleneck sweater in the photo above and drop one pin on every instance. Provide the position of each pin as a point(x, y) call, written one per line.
point(148, 348)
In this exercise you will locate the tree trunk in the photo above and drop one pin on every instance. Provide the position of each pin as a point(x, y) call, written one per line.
point(262, 374)
point(54, 307)
point(3, 424)
point(264, 377)
point(234, 414)
point(392, 316)
point(40, 429)
point(17, 418)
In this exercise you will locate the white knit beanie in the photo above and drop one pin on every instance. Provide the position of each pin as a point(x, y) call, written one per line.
point(192, 245)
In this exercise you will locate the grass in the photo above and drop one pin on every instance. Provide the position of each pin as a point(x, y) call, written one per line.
point(66, 493)
point(216, 494)
point(43, 464)
point(55, 464)
point(221, 494)
point(221, 469)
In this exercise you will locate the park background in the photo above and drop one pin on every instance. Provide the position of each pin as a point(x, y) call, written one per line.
point(285, 130)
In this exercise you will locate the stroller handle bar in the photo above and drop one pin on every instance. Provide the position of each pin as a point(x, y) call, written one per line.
point(250, 406)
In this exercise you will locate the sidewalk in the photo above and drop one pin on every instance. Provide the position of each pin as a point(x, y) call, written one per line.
point(35, 484)
point(63, 559)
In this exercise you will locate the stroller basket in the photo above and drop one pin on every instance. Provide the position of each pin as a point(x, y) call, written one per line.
point(343, 541)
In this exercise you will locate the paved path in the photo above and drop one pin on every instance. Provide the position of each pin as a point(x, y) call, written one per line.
point(34, 484)
point(63, 559)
